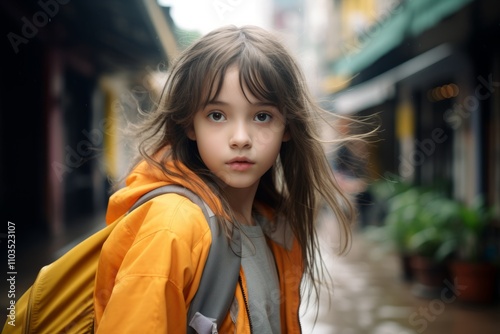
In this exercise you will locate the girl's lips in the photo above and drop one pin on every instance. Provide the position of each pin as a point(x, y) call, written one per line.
point(240, 164)
point(240, 159)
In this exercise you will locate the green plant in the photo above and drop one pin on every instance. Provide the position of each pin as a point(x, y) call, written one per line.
point(427, 222)
point(434, 236)
point(472, 222)
point(396, 200)
point(403, 212)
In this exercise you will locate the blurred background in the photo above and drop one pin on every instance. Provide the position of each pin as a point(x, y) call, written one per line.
point(427, 187)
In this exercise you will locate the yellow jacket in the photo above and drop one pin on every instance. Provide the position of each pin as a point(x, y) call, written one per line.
point(151, 264)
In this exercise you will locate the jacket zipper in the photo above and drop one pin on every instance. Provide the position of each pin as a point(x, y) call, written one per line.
point(247, 308)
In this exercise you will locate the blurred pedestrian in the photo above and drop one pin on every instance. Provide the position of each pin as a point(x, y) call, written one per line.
point(236, 125)
point(351, 170)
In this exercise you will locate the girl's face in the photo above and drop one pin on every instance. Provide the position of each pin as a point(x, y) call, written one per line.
point(238, 139)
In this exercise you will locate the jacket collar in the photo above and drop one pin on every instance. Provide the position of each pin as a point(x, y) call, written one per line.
point(279, 232)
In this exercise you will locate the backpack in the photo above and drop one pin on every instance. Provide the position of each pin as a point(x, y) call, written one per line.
point(61, 298)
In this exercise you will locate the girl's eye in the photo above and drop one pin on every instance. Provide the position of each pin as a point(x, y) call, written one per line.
point(216, 116)
point(263, 117)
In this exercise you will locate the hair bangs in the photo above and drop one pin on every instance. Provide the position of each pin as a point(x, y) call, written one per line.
point(213, 85)
point(214, 79)
point(259, 77)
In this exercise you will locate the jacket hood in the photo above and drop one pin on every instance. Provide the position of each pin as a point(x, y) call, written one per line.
point(146, 177)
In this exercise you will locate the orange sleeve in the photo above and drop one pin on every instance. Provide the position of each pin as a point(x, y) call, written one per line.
point(144, 305)
point(160, 273)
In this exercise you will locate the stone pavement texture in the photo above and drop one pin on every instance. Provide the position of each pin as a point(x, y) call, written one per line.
point(369, 296)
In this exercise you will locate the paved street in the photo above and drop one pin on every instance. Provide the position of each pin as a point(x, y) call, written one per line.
point(369, 297)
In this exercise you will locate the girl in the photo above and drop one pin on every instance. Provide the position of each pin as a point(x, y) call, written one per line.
point(236, 125)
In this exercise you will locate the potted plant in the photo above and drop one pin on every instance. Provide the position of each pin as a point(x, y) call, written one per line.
point(432, 242)
point(472, 267)
point(418, 226)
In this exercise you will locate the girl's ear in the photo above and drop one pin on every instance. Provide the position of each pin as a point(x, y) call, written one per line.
point(286, 136)
point(191, 134)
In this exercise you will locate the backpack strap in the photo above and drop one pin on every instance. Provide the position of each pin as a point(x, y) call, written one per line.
point(212, 301)
point(207, 212)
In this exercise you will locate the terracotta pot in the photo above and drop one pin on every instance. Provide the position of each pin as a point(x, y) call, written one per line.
point(428, 272)
point(476, 279)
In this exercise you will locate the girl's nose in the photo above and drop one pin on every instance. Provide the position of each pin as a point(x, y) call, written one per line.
point(240, 137)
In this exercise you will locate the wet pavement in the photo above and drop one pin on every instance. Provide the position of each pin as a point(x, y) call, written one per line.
point(369, 296)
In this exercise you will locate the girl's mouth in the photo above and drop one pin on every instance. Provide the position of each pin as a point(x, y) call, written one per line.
point(240, 164)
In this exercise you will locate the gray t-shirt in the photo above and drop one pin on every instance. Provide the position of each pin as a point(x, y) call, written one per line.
point(262, 281)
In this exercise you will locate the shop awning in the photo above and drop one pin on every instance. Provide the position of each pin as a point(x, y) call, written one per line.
point(381, 88)
point(409, 19)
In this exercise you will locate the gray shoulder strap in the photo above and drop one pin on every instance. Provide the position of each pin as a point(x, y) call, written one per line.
point(177, 190)
point(220, 274)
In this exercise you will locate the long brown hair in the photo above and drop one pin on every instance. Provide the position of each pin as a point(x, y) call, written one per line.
point(302, 178)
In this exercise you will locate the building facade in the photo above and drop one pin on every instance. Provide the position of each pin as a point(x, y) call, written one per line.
point(73, 71)
point(430, 71)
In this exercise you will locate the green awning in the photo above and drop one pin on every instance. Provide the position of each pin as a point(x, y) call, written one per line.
point(410, 19)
